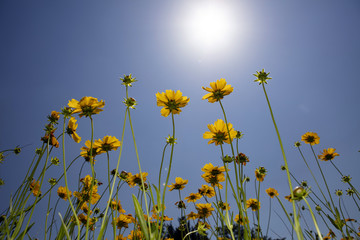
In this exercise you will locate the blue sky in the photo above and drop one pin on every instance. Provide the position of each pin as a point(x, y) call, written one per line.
point(52, 52)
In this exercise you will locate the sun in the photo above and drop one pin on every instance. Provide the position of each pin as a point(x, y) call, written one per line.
point(209, 25)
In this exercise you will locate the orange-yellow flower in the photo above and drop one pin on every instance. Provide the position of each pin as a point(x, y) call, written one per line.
point(123, 221)
point(171, 102)
point(71, 130)
point(35, 188)
point(272, 192)
point(204, 210)
point(87, 154)
point(106, 144)
point(193, 197)
point(218, 90)
point(310, 138)
point(134, 180)
point(328, 154)
point(241, 220)
point(252, 203)
point(219, 133)
point(87, 106)
point(62, 193)
point(179, 184)
point(207, 191)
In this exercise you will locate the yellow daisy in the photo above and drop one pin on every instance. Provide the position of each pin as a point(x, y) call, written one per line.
point(218, 90)
point(62, 193)
point(179, 184)
point(272, 192)
point(219, 133)
point(87, 106)
point(106, 144)
point(328, 154)
point(71, 130)
point(204, 210)
point(252, 203)
point(310, 138)
point(171, 102)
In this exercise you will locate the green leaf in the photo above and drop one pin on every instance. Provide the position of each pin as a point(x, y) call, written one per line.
point(140, 214)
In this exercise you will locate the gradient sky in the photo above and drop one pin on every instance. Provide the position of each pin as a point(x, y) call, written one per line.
point(53, 51)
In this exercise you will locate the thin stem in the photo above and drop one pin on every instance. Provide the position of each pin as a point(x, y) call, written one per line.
point(313, 217)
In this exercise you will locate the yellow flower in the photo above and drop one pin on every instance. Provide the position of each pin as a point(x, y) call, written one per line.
point(219, 133)
point(171, 102)
point(272, 192)
point(137, 234)
point(87, 154)
point(218, 90)
point(310, 138)
point(207, 191)
point(87, 106)
point(210, 169)
point(179, 184)
point(83, 220)
point(241, 220)
point(133, 180)
point(54, 117)
point(252, 203)
point(215, 180)
point(62, 193)
point(71, 130)
point(260, 174)
point(35, 188)
point(115, 205)
point(106, 144)
point(123, 221)
point(193, 197)
point(84, 195)
point(328, 154)
point(204, 210)
point(192, 216)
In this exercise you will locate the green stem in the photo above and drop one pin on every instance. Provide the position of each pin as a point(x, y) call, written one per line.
point(313, 217)
point(296, 218)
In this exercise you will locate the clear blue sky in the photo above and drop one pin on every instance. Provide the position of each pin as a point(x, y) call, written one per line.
point(53, 51)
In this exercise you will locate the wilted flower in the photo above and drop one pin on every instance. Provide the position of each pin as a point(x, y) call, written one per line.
point(35, 188)
point(171, 102)
point(241, 158)
point(260, 174)
point(52, 181)
point(54, 117)
point(217, 90)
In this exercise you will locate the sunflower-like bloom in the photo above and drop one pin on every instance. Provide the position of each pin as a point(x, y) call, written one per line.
point(193, 197)
point(115, 205)
point(204, 210)
point(241, 220)
point(192, 216)
point(215, 180)
point(218, 90)
point(83, 219)
point(87, 154)
point(310, 138)
point(134, 180)
point(272, 192)
point(171, 102)
point(123, 221)
point(253, 203)
point(219, 133)
point(260, 174)
point(35, 188)
point(106, 144)
point(88, 191)
point(71, 130)
point(207, 191)
point(210, 169)
point(179, 184)
point(62, 193)
point(87, 106)
point(328, 154)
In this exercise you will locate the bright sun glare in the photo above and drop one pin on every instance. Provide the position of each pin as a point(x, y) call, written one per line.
point(209, 25)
